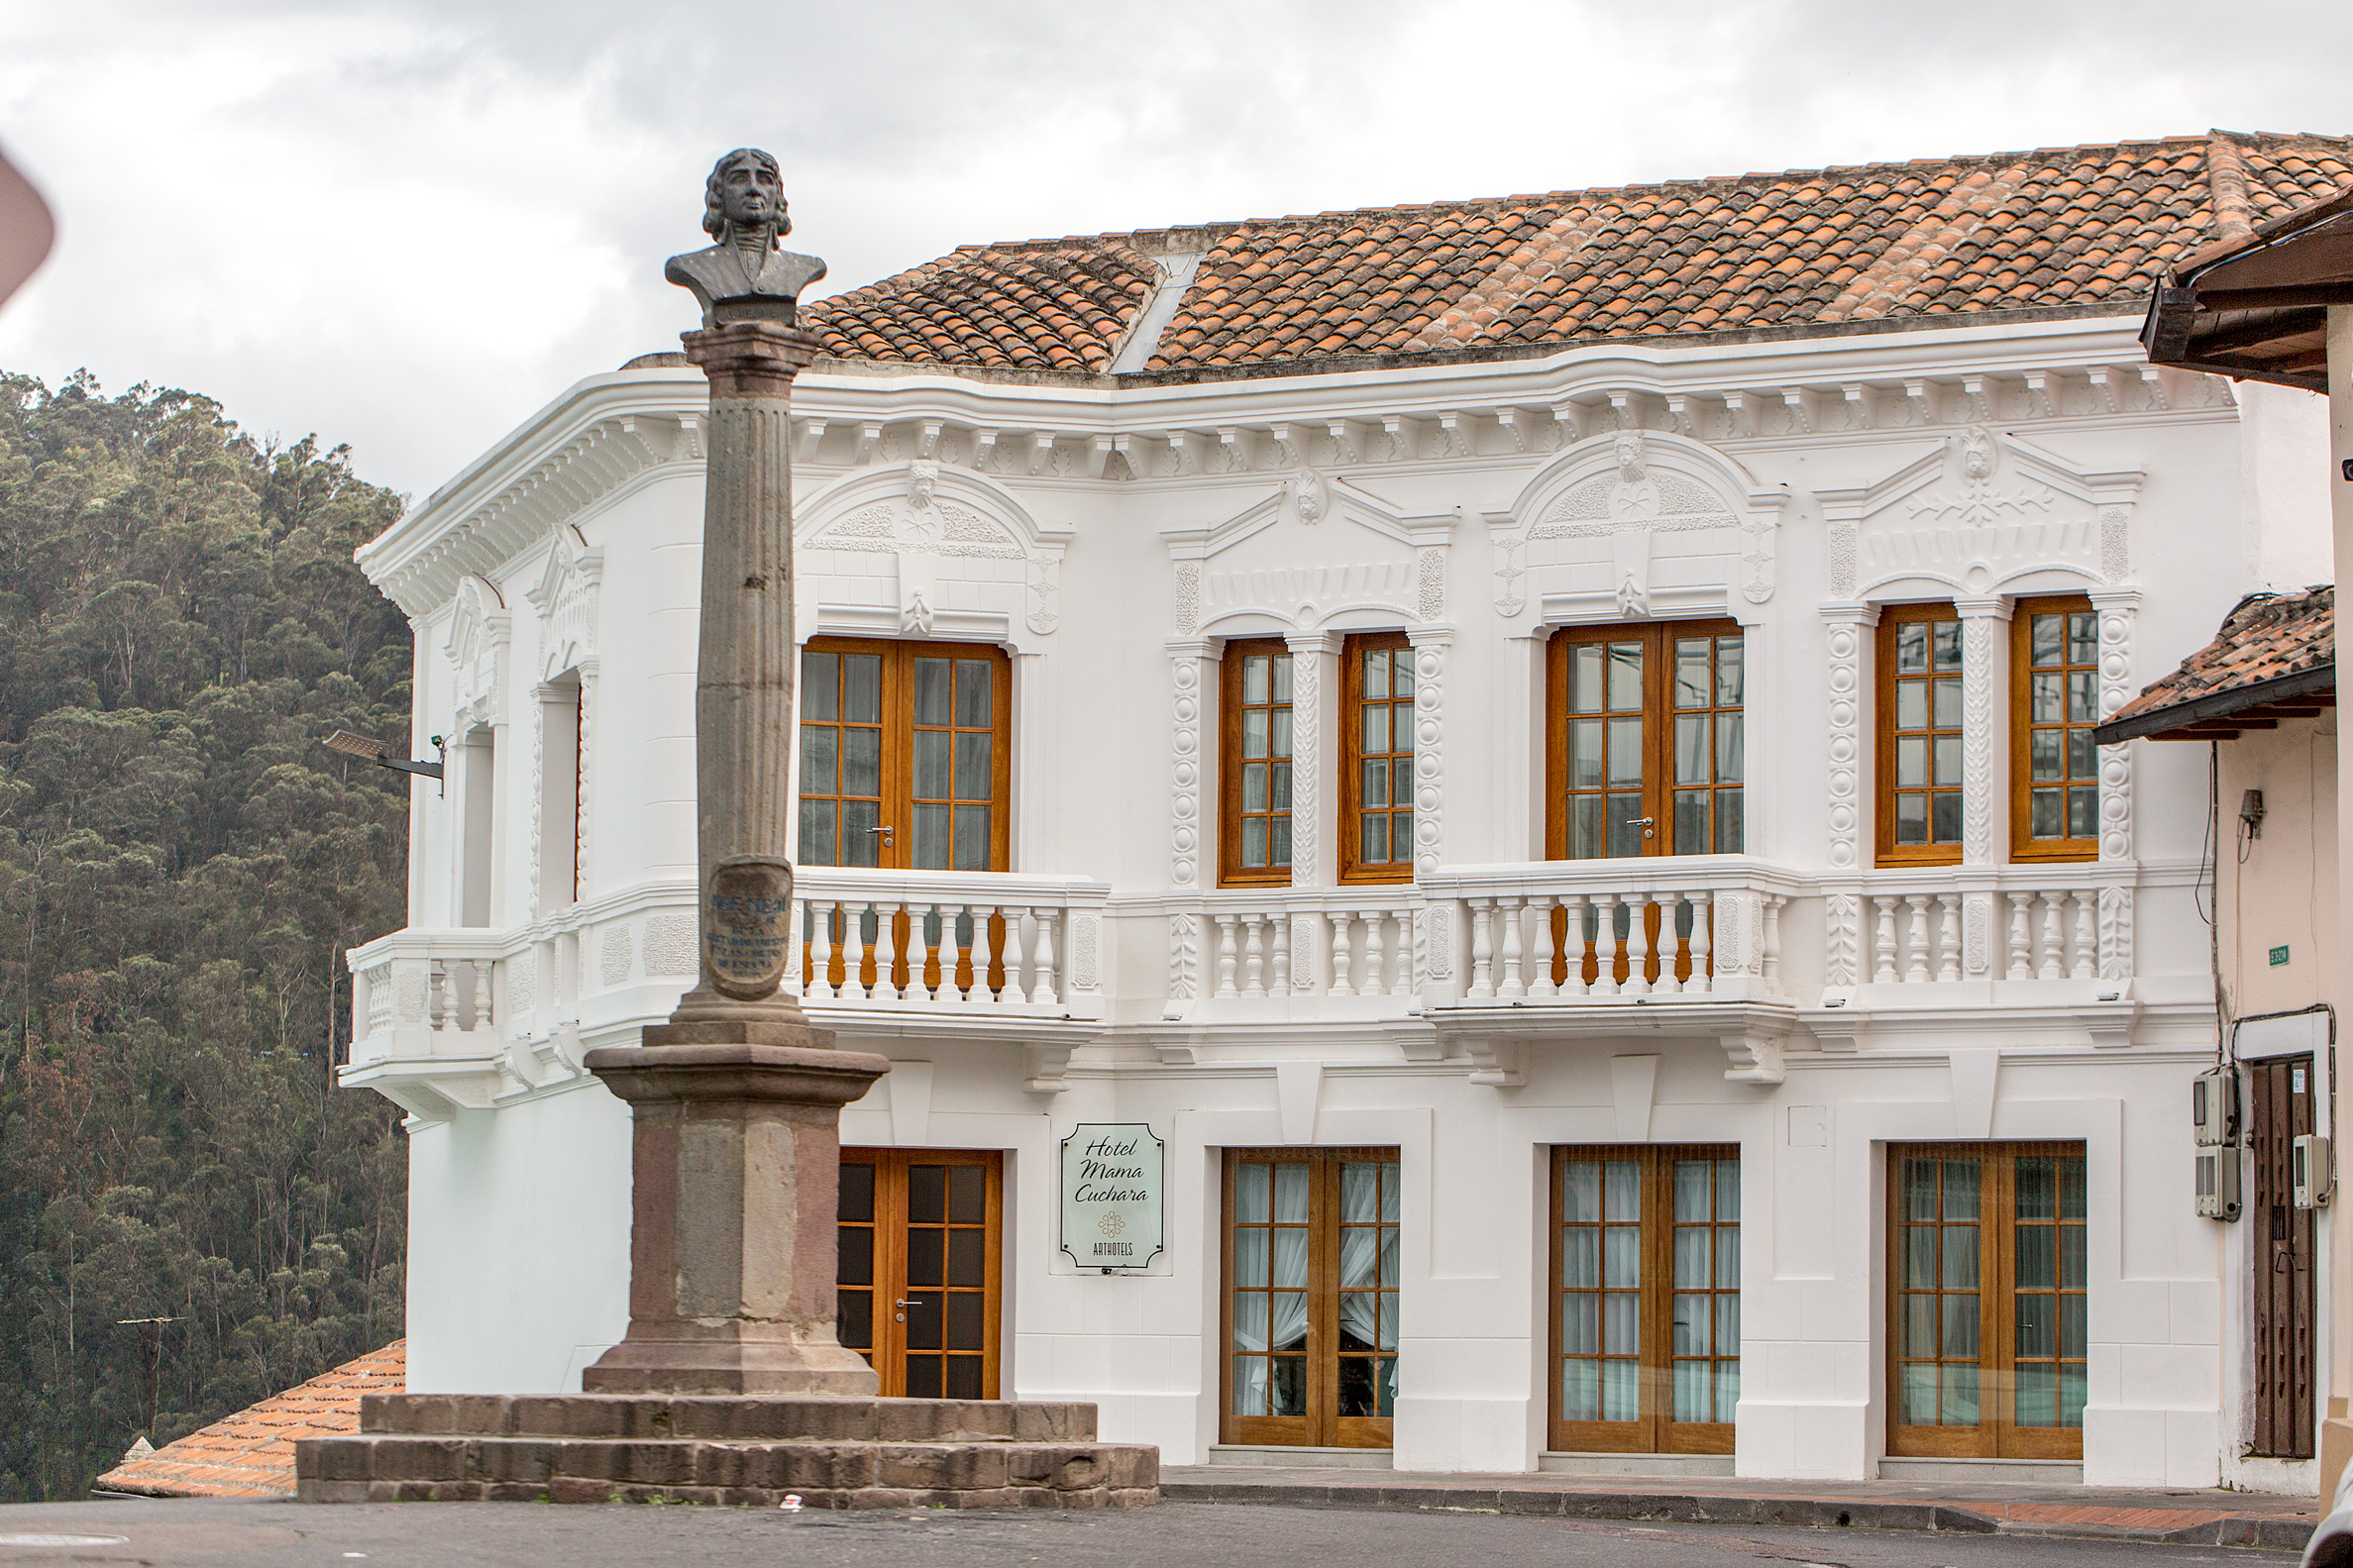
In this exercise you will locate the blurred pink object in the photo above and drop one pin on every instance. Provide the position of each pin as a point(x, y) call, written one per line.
point(26, 229)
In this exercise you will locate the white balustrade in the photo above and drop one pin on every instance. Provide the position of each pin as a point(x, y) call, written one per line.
point(966, 940)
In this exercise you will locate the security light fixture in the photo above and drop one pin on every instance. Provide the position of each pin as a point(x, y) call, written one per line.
point(351, 745)
point(2251, 812)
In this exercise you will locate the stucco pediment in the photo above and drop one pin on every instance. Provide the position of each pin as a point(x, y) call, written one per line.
point(1607, 499)
point(938, 525)
point(479, 627)
point(1975, 511)
point(565, 599)
point(1314, 552)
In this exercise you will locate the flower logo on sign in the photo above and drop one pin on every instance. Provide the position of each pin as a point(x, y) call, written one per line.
point(1110, 1224)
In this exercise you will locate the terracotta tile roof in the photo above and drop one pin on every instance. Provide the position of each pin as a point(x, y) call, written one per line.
point(251, 1454)
point(2077, 229)
point(2264, 640)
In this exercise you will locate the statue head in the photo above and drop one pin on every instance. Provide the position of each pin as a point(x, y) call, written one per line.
point(745, 194)
point(1627, 450)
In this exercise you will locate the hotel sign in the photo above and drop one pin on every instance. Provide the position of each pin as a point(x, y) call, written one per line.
point(1112, 1183)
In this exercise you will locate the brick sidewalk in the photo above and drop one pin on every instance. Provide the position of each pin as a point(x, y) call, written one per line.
point(2182, 1517)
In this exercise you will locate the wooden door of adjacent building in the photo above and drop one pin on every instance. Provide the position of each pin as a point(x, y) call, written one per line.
point(2279, 1107)
point(920, 1251)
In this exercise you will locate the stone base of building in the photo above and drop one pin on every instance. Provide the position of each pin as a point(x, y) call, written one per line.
point(747, 1450)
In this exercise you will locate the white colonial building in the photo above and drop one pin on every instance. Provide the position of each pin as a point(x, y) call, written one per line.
point(1540, 747)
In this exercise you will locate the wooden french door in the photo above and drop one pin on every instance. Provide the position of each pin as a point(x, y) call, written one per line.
point(917, 1289)
point(1987, 1300)
point(1645, 1325)
point(2280, 1109)
point(1310, 1297)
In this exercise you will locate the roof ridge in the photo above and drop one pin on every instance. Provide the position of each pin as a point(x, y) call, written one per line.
point(2227, 188)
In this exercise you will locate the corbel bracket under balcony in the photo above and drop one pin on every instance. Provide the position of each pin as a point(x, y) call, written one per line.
point(1497, 1041)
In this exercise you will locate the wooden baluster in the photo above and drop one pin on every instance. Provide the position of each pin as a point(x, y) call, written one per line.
point(1702, 981)
point(1226, 956)
point(1882, 941)
point(1607, 944)
point(2087, 955)
point(1341, 921)
point(1638, 944)
point(1573, 945)
point(1482, 949)
point(962, 972)
point(1003, 983)
point(2050, 965)
point(1915, 968)
point(2021, 958)
point(1947, 936)
point(1045, 982)
point(1541, 982)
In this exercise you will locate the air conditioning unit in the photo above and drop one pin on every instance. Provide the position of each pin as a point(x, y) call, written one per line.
point(2214, 1107)
point(2315, 1170)
point(2219, 1183)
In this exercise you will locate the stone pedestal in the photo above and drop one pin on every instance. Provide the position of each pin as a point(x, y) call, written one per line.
point(735, 1161)
point(834, 1453)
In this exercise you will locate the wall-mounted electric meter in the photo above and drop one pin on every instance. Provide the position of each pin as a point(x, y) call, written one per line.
point(2214, 1107)
point(2315, 1170)
point(2219, 1183)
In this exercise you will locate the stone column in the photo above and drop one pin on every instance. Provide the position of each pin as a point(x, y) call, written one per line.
point(736, 1102)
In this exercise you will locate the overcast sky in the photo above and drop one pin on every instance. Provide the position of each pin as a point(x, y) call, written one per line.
point(407, 223)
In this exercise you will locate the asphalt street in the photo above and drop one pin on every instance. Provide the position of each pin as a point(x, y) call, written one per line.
point(1172, 1535)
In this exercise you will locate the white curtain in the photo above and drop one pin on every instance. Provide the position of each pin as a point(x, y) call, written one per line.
point(1359, 1273)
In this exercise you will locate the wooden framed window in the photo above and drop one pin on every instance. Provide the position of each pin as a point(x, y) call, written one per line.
point(1255, 752)
point(1646, 1327)
point(905, 755)
point(918, 1281)
point(1377, 759)
point(1647, 741)
point(1919, 742)
point(1310, 1297)
point(2053, 705)
point(1987, 1300)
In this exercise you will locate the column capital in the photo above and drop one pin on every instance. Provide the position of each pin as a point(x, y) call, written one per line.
point(1310, 643)
point(1990, 608)
point(751, 359)
point(1849, 614)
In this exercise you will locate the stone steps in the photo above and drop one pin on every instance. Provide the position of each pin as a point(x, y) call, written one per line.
point(748, 1450)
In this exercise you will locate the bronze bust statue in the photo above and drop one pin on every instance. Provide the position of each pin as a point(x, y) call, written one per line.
point(745, 276)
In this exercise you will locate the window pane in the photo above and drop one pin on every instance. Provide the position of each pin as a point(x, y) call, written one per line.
point(1911, 647)
point(1691, 748)
point(820, 686)
point(1960, 1256)
point(931, 762)
point(1960, 1189)
point(862, 676)
point(1254, 842)
point(1691, 673)
point(1585, 754)
point(976, 685)
point(818, 820)
point(1279, 839)
point(1377, 728)
point(972, 838)
point(1625, 824)
point(2043, 813)
point(1694, 1181)
point(1621, 1329)
point(1948, 758)
point(820, 759)
point(1911, 761)
point(2038, 1391)
point(1729, 683)
point(1253, 732)
point(2082, 761)
point(1692, 1255)
point(1626, 677)
point(1401, 675)
point(1278, 777)
point(1948, 702)
point(1911, 819)
point(2082, 703)
point(1279, 732)
point(1250, 1184)
point(1401, 781)
point(1376, 672)
point(1375, 791)
point(931, 691)
point(1580, 1191)
point(1401, 829)
point(1254, 677)
point(2082, 639)
point(1948, 818)
point(2037, 1330)
point(1282, 676)
point(862, 761)
point(861, 845)
point(2043, 753)
point(1961, 1395)
point(2044, 699)
point(1584, 677)
point(1254, 786)
point(1580, 1259)
point(1731, 754)
point(1374, 850)
point(1626, 751)
point(931, 850)
point(2046, 635)
point(1961, 1324)
point(975, 771)
point(1911, 704)
point(1692, 822)
point(1289, 1198)
point(1944, 642)
point(1622, 1190)
point(1730, 834)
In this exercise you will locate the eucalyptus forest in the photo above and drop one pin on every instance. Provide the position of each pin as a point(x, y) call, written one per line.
point(192, 1215)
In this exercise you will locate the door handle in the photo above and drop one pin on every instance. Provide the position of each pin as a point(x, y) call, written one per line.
point(1649, 825)
point(883, 833)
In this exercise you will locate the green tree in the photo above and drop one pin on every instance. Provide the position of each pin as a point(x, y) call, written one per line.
point(180, 867)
